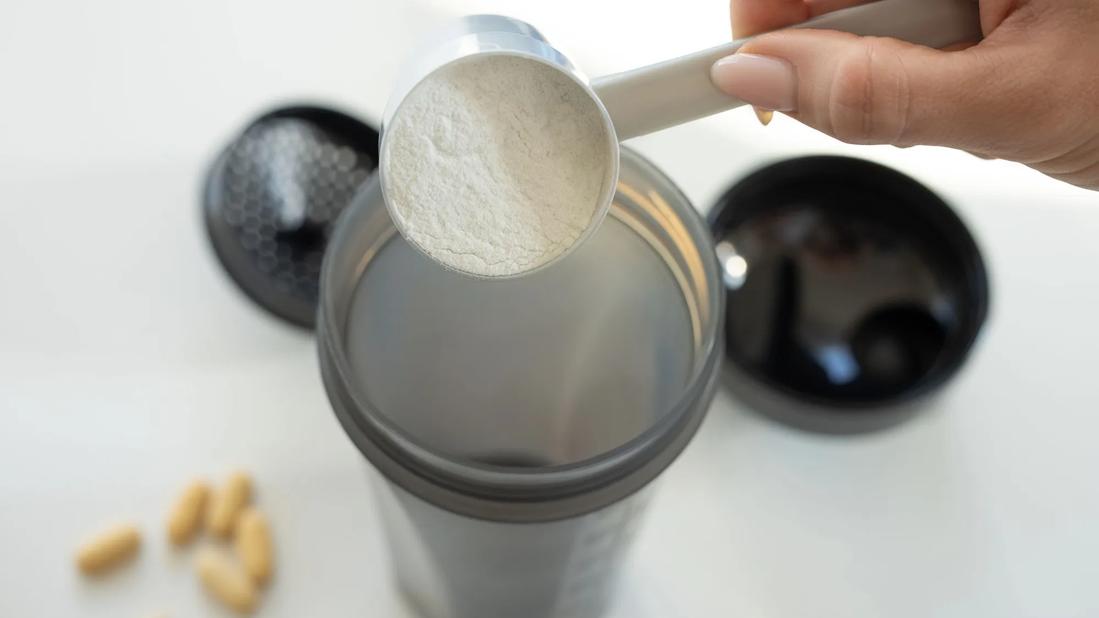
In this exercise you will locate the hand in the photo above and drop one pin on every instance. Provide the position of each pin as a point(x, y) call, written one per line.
point(1029, 92)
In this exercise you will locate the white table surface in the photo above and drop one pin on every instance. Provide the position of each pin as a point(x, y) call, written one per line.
point(129, 363)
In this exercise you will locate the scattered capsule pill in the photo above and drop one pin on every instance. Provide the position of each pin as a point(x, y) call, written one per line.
point(227, 503)
point(254, 546)
point(185, 518)
point(109, 549)
point(226, 581)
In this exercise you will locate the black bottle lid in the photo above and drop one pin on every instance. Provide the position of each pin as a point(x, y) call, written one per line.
point(852, 292)
point(272, 196)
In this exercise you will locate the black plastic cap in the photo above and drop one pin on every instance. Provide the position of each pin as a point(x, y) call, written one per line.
point(852, 292)
point(272, 196)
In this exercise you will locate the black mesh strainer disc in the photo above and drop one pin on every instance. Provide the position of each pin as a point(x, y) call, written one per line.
point(272, 196)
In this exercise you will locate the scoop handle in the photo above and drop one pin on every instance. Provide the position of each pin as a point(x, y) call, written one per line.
point(648, 99)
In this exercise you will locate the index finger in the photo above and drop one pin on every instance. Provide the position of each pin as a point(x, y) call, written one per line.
point(755, 16)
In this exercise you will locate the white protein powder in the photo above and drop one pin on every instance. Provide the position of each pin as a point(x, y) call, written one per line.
point(495, 164)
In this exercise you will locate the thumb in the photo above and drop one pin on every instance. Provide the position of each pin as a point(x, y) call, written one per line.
point(862, 90)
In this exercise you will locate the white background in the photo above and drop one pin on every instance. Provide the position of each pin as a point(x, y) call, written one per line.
point(129, 363)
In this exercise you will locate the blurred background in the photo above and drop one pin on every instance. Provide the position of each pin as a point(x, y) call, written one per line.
point(129, 362)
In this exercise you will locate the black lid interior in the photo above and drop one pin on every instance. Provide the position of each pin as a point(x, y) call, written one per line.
point(272, 197)
point(850, 286)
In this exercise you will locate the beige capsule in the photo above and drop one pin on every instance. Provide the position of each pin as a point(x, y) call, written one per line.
point(108, 549)
point(227, 503)
point(254, 546)
point(185, 518)
point(764, 115)
point(226, 581)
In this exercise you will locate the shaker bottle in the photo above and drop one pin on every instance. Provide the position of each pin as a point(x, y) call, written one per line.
point(517, 426)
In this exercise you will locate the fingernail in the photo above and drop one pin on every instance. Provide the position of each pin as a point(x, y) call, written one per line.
point(762, 81)
point(765, 115)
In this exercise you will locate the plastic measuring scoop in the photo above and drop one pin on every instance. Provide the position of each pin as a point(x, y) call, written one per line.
point(669, 93)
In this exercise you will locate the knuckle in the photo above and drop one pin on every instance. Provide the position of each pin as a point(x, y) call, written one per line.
point(869, 99)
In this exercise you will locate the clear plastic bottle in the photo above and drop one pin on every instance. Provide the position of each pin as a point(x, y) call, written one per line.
point(517, 424)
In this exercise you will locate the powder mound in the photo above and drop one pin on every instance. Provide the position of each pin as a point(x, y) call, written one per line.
point(495, 164)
